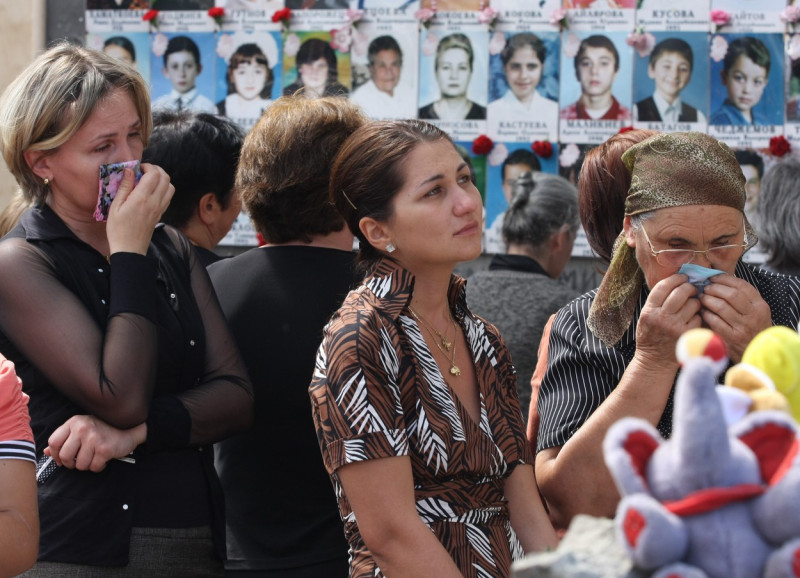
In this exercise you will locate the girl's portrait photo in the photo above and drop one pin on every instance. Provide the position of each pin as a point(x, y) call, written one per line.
point(131, 48)
point(453, 76)
point(312, 67)
point(523, 78)
point(246, 74)
point(747, 79)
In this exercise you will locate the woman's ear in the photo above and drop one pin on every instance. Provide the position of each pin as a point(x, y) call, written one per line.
point(630, 232)
point(374, 232)
point(38, 162)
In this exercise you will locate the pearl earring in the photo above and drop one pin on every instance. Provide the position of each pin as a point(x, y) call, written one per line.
point(390, 248)
point(46, 182)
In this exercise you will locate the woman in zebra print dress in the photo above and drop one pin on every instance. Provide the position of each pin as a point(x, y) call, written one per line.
point(414, 397)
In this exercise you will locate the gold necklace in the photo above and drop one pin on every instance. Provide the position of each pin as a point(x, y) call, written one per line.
point(446, 346)
point(446, 343)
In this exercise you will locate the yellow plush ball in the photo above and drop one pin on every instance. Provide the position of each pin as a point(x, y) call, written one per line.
point(776, 352)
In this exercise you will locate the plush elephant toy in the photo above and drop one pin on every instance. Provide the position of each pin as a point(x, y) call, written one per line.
point(710, 501)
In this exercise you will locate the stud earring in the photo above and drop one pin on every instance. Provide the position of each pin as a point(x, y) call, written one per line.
point(390, 248)
point(46, 182)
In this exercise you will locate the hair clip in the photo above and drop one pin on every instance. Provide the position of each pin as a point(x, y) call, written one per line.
point(349, 201)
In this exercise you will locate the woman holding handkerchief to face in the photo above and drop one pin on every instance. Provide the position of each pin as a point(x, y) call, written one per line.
point(612, 351)
point(114, 329)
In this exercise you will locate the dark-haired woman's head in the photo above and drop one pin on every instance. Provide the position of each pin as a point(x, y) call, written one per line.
point(404, 190)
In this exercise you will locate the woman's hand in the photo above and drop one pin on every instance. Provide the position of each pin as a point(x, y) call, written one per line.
point(137, 209)
point(671, 309)
point(85, 442)
point(734, 310)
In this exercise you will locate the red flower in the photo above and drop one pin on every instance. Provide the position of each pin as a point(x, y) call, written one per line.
point(283, 15)
point(150, 15)
point(779, 146)
point(482, 145)
point(217, 13)
point(543, 148)
point(624, 129)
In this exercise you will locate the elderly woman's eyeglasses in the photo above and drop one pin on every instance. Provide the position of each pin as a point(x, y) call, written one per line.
point(677, 257)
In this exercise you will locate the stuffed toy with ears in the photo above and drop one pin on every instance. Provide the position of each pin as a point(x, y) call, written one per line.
point(710, 501)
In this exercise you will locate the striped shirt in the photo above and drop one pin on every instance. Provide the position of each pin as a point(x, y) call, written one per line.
point(16, 437)
point(582, 371)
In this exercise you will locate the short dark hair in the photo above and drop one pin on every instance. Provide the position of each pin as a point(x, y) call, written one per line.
point(368, 173)
point(381, 43)
point(521, 157)
point(123, 43)
point(540, 205)
point(596, 41)
point(778, 215)
point(199, 152)
point(182, 44)
point(313, 49)
point(749, 157)
point(677, 45)
point(249, 53)
point(285, 166)
point(522, 40)
point(750, 47)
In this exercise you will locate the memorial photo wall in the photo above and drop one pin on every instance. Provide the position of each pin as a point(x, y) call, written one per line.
point(519, 84)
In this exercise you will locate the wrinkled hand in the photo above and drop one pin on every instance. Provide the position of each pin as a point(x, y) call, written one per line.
point(85, 442)
point(136, 210)
point(734, 310)
point(671, 309)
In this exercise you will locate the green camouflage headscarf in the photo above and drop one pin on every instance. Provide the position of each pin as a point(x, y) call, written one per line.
point(667, 170)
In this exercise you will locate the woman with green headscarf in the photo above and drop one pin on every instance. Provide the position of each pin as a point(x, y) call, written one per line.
point(612, 350)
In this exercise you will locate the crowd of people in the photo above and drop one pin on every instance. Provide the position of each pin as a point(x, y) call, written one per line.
point(305, 409)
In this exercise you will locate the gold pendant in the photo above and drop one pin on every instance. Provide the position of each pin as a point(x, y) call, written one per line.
point(447, 344)
point(454, 369)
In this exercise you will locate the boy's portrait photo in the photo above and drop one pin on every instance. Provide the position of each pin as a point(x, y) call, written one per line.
point(317, 4)
point(131, 48)
point(187, 72)
point(507, 162)
point(752, 164)
point(312, 67)
point(251, 4)
point(183, 4)
point(385, 78)
point(601, 69)
point(747, 79)
point(523, 82)
point(247, 69)
point(453, 76)
point(663, 87)
point(398, 4)
point(117, 4)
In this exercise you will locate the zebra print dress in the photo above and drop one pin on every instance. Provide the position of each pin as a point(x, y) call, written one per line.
point(377, 392)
